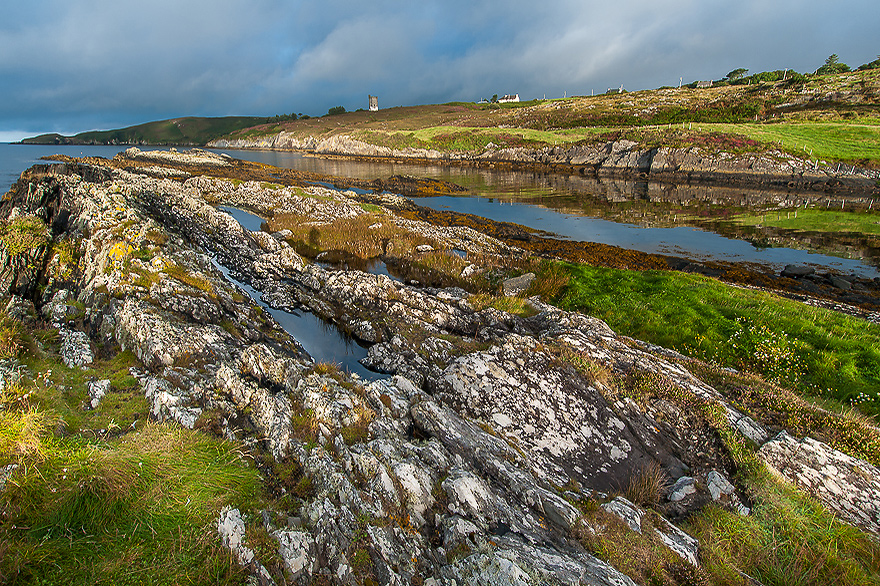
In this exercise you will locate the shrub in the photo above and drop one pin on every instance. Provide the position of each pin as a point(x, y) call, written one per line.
point(23, 235)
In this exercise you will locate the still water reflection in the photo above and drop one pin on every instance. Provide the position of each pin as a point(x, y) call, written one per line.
point(650, 217)
point(322, 340)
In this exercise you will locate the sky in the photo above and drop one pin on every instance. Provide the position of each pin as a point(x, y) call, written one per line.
point(69, 66)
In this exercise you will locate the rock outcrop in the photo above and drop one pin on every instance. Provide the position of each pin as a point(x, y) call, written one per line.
point(470, 463)
point(618, 158)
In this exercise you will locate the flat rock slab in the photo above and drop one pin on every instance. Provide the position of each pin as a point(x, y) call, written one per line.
point(515, 286)
point(848, 486)
point(565, 425)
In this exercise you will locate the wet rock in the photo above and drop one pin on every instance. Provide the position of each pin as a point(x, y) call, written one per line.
point(840, 283)
point(797, 272)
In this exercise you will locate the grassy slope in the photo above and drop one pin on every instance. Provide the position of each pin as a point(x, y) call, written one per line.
point(837, 116)
point(815, 351)
point(101, 496)
point(179, 131)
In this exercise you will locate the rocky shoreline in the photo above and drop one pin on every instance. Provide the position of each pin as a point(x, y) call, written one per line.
point(493, 446)
point(623, 159)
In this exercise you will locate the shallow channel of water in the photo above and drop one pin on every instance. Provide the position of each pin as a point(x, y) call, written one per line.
point(681, 241)
point(568, 206)
point(322, 340)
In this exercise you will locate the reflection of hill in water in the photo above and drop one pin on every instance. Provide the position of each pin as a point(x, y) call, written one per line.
point(657, 205)
point(649, 204)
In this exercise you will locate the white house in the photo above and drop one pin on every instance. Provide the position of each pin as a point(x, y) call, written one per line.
point(508, 98)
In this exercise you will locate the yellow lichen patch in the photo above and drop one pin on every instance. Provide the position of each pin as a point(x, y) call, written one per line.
point(119, 252)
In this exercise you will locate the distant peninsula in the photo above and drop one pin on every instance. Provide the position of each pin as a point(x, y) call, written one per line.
point(188, 131)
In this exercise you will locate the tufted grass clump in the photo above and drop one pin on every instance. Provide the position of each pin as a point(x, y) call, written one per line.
point(514, 305)
point(641, 556)
point(186, 277)
point(647, 485)
point(137, 509)
point(23, 235)
point(788, 539)
point(13, 338)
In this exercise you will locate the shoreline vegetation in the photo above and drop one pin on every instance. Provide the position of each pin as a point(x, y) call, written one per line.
point(819, 132)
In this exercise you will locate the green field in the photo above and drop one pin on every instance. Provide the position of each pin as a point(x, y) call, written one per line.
point(815, 220)
point(817, 352)
point(837, 117)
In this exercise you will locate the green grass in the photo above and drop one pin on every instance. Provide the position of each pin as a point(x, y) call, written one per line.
point(62, 391)
point(815, 220)
point(789, 539)
point(833, 141)
point(816, 351)
point(137, 510)
point(188, 131)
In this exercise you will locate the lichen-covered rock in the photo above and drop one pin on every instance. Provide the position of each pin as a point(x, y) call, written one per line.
point(168, 402)
point(468, 445)
point(97, 391)
point(296, 549)
point(566, 425)
point(846, 485)
point(230, 526)
point(674, 538)
point(76, 348)
point(682, 488)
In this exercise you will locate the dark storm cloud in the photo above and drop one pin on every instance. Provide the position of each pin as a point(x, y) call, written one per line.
point(74, 65)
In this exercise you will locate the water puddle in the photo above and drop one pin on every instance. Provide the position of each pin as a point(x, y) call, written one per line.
point(323, 341)
point(247, 220)
point(376, 266)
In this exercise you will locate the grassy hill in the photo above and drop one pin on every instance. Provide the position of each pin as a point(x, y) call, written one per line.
point(837, 117)
point(189, 131)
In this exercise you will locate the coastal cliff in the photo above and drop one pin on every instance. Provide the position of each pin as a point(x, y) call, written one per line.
point(499, 448)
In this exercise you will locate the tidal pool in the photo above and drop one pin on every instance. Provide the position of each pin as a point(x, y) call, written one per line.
point(323, 341)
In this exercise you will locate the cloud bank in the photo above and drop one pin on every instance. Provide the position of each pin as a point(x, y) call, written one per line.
point(70, 66)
